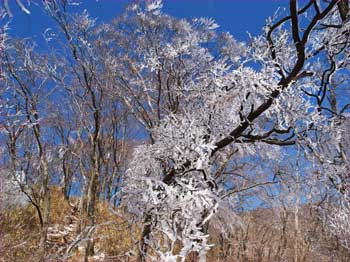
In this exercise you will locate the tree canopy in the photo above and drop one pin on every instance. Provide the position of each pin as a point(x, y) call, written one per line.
point(219, 118)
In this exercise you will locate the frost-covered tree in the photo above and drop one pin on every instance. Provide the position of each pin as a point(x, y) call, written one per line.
point(234, 102)
point(29, 148)
point(337, 167)
point(12, 195)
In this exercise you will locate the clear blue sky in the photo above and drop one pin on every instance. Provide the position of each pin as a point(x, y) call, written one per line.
point(235, 16)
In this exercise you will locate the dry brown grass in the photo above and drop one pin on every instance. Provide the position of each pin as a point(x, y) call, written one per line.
point(265, 235)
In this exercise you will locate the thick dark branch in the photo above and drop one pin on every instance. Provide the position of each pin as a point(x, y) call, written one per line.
point(275, 26)
point(283, 20)
point(267, 134)
point(279, 142)
point(325, 82)
point(284, 83)
point(272, 141)
point(295, 23)
point(316, 19)
point(343, 8)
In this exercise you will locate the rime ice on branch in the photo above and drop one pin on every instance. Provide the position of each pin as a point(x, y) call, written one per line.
point(205, 97)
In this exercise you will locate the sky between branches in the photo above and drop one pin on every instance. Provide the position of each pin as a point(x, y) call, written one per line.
point(236, 16)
